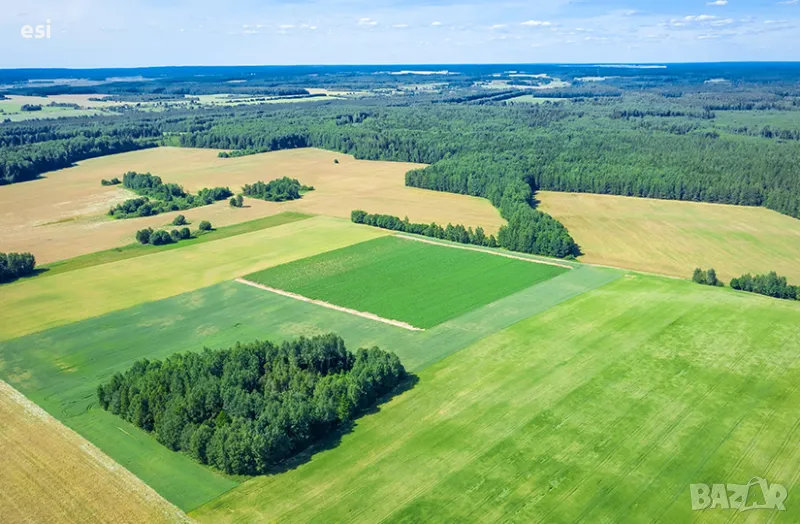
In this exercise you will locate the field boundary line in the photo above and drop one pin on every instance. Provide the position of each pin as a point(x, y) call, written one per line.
point(469, 248)
point(370, 316)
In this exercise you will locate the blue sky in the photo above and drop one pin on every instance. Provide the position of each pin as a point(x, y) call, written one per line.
point(118, 33)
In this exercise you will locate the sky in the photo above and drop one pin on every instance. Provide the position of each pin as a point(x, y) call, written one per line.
point(134, 33)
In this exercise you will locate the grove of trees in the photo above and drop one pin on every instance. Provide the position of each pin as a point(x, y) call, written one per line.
point(706, 277)
point(279, 190)
point(158, 197)
point(16, 265)
point(245, 409)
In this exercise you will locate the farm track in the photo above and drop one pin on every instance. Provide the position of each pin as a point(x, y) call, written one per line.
point(328, 305)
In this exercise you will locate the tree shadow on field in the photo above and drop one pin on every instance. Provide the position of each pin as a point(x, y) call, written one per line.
point(335, 438)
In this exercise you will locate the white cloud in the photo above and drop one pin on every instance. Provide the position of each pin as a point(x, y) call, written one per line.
point(718, 3)
point(789, 2)
point(367, 22)
point(497, 26)
point(719, 23)
point(537, 23)
point(700, 18)
point(400, 26)
point(436, 24)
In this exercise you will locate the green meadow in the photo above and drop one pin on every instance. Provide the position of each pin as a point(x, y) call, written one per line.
point(401, 279)
point(601, 409)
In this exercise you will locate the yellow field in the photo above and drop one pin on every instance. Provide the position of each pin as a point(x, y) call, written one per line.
point(673, 238)
point(33, 305)
point(50, 474)
point(63, 214)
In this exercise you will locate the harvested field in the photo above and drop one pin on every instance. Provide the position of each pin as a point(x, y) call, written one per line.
point(673, 238)
point(50, 474)
point(63, 214)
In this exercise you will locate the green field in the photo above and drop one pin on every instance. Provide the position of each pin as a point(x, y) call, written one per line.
point(404, 280)
point(35, 304)
point(59, 369)
point(602, 409)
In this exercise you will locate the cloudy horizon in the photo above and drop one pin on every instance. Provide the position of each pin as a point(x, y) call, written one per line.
point(94, 33)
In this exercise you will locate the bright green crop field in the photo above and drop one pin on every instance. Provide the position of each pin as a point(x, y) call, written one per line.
point(602, 409)
point(400, 279)
point(60, 368)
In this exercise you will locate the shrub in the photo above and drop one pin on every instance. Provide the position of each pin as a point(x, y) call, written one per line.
point(113, 182)
point(175, 235)
point(239, 201)
point(160, 238)
point(143, 235)
point(205, 225)
point(185, 233)
point(179, 220)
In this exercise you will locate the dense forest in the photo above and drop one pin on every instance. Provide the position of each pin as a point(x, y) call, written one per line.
point(245, 409)
point(158, 197)
point(279, 190)
point(666, 133)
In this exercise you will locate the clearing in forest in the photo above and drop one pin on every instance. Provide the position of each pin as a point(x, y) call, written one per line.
point(604, 408)
point(50, 474)
point(673, 238)
point(414, 282)
point(63, 214)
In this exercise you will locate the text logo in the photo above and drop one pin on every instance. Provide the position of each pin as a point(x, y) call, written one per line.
point(38, 31)
point(756, 494)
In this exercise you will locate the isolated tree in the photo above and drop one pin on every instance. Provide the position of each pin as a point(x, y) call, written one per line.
point(699, 276)
point(185, 233)
point(179, 220)
point(175, 235)
point(205, 225)
point(239, 201)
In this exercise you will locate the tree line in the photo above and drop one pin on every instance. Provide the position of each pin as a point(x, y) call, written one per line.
point(771, 285)
point(16, 265)
point(246, 409)
point(457, 233)
point(279, 190)
point(18, 164)
point(158, 197)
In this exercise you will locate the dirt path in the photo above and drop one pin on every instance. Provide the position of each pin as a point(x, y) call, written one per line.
point(362, 314)
point(479, 250)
